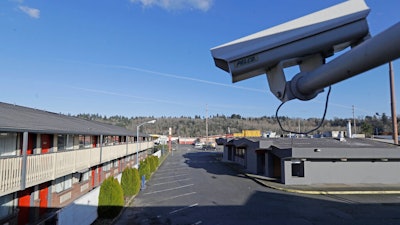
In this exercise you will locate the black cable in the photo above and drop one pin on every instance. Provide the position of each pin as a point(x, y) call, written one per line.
point(319, 125)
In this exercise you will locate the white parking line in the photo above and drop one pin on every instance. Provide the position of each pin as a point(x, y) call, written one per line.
point(177, 175)
point(172, 197)
point(169, 189)
point(176, 168)
point(198, 222)
point(170, 182)
point(181, 209)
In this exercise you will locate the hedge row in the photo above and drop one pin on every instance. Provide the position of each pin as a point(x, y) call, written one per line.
point(111, 197)
point(148, 166)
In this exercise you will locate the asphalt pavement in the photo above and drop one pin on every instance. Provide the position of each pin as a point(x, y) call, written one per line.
point(195, 187)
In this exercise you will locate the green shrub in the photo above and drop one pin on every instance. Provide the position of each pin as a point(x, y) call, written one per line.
point(152, 162)
point(111, 198)
point(157, 161)
point(130, 182)
point(136, 180)
point(127, 182)
point(144, 169)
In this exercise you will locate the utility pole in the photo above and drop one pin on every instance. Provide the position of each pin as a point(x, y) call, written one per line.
point(354, 121)
point(206, 124)
point(393, 104)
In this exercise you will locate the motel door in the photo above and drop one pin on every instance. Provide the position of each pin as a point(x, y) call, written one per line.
point(43, 195)
point(24, 206)
point(261, 162)
point(46, 144)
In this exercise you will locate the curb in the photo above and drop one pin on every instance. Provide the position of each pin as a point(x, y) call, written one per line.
point(325, 192)
point(313, 192)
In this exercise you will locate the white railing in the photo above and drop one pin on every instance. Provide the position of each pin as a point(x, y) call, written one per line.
point(46, 167)
point(10, 175)
point(39, 168)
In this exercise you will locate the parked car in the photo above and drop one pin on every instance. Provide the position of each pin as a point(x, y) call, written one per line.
point(198, 145)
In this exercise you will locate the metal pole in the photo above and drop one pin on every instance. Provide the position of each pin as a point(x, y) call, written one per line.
point(137, 146)
point(24, 159)
point(206, 124)
point(371, 53)
point(169, 139)
point(138, 141)
point(393, 104)
point(101, 147)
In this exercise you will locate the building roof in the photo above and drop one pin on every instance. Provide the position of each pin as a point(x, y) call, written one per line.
point(323, 148)
point(324, 143)
point(14, 118)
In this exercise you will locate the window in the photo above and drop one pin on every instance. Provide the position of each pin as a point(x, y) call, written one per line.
point(8, 204)
point(81, 177)
point(116, 163)
point(85, 141)
point(107, 166)
point(8, 144)
point(240, 152)
point(65, 142)
point(298, 169)
point(85, 176)
point(63, 183)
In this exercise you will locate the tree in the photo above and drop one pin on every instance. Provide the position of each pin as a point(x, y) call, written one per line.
point(111, 198)
point(130, 181)
point(144, 169)
point(367, 128)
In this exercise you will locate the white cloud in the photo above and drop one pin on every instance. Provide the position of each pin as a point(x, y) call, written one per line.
point(32, 12)
point(202, 5)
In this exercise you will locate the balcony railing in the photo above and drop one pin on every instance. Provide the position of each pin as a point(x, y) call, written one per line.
point(45, 167)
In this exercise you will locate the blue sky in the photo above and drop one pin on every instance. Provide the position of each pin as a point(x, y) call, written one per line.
point(152, 58)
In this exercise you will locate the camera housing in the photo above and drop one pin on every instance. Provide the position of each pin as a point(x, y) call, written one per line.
point(305, 41)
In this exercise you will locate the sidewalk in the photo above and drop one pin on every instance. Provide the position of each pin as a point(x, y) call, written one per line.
point(321, 189)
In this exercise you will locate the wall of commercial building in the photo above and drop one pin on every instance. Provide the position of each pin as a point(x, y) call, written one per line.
point(344, 172)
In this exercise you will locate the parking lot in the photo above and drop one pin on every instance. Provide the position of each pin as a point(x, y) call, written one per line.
point(194, 187)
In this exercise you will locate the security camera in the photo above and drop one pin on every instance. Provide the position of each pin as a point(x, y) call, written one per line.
point(305, 41)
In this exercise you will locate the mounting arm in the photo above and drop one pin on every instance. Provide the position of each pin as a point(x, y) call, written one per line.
point(371, 53)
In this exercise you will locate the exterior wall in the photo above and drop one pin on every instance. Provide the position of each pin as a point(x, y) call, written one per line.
point(251, 158)
point(348, 172)
point(82, 211)
point(46, 167)
point(186, 140)
point(225, 154)
point(43, 169)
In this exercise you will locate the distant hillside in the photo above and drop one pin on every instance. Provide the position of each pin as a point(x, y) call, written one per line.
point(220, 124)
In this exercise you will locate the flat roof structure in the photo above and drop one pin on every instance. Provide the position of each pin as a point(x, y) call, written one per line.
point(333, 148)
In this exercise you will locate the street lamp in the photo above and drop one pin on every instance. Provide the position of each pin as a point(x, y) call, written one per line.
point(138, 140)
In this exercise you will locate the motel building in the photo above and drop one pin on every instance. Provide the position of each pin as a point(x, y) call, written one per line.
point(308, 161)
point(49, 161)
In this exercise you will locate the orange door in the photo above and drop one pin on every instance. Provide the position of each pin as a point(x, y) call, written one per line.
point(94, 183)
point(43, 193)
point(94, 141)
point(31, 143)
point(24, 203)
point(46, 143)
